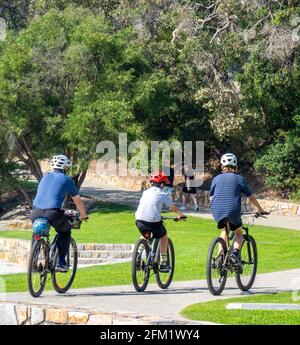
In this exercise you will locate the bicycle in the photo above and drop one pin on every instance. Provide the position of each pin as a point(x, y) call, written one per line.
point(219, 264)
point(43, 260)
point(146, 257)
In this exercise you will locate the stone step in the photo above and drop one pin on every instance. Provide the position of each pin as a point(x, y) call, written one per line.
point(93, 261)
point(103, 254)
point(109, 247)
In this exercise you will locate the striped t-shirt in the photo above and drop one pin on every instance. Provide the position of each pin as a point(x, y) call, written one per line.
point(226, 190)
point(151, 204)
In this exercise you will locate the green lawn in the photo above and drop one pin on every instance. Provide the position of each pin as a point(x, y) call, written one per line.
point(278, 248)
point(216, 311)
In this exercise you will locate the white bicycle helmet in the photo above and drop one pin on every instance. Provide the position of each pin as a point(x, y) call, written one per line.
point(60, 162)
point(228, 159)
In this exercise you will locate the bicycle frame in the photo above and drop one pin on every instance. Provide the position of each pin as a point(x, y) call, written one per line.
point(51, 247)
point(153, 244)
point(230, 245)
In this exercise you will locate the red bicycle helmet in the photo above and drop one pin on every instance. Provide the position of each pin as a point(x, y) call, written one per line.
point(159, 177)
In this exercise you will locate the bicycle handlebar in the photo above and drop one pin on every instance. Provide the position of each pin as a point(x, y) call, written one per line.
point(256, 214)
point(176, 219)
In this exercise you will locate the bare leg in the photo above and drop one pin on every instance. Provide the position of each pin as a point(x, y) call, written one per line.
point(194, 198)
point(164, 245)
point(183, 199)
point(224, 236)
point(238, 238)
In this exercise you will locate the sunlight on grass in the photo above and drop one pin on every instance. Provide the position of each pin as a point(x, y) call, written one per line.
point(277, 248)
point(216, 311)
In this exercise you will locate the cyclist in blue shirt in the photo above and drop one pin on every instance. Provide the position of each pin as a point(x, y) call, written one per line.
point(51, 192)
point(225, 193)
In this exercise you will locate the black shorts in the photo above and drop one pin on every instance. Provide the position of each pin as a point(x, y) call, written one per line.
point(191, 190)
point(55, 217)
point(157, 229)
point(222, 223)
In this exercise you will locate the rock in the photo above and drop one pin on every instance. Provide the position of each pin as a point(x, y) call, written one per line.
point(57, 316)
point(99, 319)
point(89, 246)
point(78, 317)
point(7, 314)
point(37, 316)
point(22, 314)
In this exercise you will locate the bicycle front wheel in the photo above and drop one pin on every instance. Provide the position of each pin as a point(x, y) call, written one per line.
point(248, 256)
point(216, 273)
point(164, 279)
point(62, 281)
point(37, 268)
point(140, 270)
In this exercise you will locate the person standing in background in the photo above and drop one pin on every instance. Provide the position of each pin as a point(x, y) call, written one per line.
point(169, 171)
point(188, 189)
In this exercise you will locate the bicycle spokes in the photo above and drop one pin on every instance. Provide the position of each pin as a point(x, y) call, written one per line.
point(62, 281)
point(248, 257)
point(216, 266)
point(37, 268)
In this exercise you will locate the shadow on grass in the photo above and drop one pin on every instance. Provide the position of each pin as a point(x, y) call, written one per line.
point(107, 208)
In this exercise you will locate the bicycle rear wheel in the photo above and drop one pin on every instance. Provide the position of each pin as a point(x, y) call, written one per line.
point(37, 268)
point(249, 258)
point(139, 269)
point(216, 273)
point(63, 281)
point(164, 279)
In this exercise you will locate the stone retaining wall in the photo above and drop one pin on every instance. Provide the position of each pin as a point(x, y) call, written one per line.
point(23, 314)
point(136, 183)
point(17, 251)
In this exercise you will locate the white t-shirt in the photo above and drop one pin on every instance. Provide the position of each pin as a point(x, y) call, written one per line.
point(151, 204)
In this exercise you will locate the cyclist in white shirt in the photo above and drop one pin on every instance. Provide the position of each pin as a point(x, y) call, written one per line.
point(148, 214)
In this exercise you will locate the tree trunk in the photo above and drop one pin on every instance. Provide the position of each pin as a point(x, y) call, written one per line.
point(81, 178)
point(31, 160)
point(24, 195)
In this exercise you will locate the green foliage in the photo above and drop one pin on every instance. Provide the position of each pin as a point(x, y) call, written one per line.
point(226, 72)
point(281, 163)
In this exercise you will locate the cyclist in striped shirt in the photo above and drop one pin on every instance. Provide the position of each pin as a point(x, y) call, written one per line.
point(225, 193)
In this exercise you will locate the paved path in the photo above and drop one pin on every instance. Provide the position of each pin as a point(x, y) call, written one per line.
point(156, 302)
point(127, 197)
point(10, 268)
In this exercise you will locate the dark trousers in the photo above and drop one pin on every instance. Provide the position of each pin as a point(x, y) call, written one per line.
point(60, 223)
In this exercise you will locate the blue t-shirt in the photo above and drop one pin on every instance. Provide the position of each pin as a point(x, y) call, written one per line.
point(52, 190)
point(226, 190)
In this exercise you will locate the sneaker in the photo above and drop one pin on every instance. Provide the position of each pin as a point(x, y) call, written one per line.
point(219, 261)
point(182, 208)
point(61, 268)
point(164, 267)
point(235, 258)
point(196, 208)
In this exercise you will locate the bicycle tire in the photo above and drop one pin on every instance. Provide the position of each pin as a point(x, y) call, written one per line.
point(240, 284)
point(172, 264)
point(136, 255)
point(56, 285)
point(35, 250)
point(210, 261)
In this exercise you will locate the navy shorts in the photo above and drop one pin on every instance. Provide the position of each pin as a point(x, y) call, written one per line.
point(222, 223)
point(157, 229)
point(55, 217)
